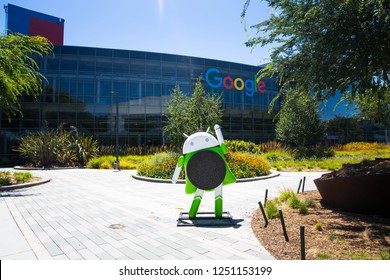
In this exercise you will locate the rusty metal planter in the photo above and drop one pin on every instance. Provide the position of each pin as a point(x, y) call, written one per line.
point(367, 194)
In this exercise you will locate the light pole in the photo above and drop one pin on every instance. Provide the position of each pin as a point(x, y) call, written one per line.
point(115, 93)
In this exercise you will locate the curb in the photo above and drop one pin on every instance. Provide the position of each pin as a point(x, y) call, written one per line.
point(24, 185)
point(243, 180)
point(43, 168)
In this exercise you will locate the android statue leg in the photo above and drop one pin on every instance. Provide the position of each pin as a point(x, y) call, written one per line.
point(196, 203)
point(218, 202)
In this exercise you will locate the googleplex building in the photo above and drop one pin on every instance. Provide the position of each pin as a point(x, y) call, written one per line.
point(95, 89)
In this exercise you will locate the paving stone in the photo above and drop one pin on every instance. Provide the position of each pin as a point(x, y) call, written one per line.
point(73, 213)
point(75, 243)
point(105, 256)
point(96, 239)
point(149, 255)
point(131, 254)
point(53, 249)
point(70, 252)
point(87, 254)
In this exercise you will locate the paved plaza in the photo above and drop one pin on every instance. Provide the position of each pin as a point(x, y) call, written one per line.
point(71, 217)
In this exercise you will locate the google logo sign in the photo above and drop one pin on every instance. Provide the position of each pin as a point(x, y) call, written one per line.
point(215, 81)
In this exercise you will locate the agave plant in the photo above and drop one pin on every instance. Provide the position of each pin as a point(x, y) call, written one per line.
point(84, 148)
point(57, 148)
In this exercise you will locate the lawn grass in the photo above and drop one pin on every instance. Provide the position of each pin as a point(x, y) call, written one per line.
point(285, 161)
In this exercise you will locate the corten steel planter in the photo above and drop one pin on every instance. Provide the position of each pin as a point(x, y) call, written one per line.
point(367, 194)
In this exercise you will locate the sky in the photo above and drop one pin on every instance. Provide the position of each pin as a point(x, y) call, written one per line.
point(200, 28)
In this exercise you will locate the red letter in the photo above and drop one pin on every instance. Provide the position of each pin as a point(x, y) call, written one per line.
point(227, 78)
point(261, 87)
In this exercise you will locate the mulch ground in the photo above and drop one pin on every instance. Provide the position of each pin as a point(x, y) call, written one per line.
point(338, 235)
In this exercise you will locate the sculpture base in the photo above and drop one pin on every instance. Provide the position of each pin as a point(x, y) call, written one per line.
point(205, 219)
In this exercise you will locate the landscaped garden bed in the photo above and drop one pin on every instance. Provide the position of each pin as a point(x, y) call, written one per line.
point(8, 178)
point(330, 234)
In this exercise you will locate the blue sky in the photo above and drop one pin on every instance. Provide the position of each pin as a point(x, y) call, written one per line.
point(202, 28)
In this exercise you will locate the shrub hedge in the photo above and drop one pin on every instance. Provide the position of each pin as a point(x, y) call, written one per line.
point(245, 165)
point(242, 146)
point(160, 166)
point(242, 165)
point(107, 162)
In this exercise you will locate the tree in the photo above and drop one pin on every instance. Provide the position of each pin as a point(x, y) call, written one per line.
point(299, 122)
point(19, 72)
point(327, 45)
point(205, 110)
point(376, 108)
point(177, 124)
point(189, 114)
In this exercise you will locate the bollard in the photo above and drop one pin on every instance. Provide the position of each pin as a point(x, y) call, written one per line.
point(266, 197)
point(264, 215)
point(299, 187)
point(302, 234)
point(283, 225)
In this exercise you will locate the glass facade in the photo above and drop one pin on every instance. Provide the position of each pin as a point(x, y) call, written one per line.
point(88, 87)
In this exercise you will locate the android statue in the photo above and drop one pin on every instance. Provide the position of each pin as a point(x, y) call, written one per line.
point(205, 168)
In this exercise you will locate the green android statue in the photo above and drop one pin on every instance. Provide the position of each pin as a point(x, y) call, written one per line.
point(205, 168)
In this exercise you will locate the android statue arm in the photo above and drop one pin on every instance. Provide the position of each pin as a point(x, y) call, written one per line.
point(221, 141)
point(178, 168)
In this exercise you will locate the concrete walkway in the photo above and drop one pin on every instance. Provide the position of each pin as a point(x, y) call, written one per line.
point(70, 218)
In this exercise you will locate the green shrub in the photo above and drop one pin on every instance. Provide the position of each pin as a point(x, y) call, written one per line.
point(360, 256)
point(302, 209)
point(97, 163)
point(247, 165)
point(44, 149)
point(309, 202)
point(4, 181)
point(8, 178)
point(271, 209)
point(105, 165)
point(278, 155)
point(57, 147)
point(318, 227)
point(294, 202)
point(161, 166)
point(384, 254)
point(272, 146)
point(361, 146)
point(314, 152)
point(22, 177)
point(324, 256)
point(285, 194)
point(127, 165)
point(84, 148)
point(242, 146)
point(125, 162)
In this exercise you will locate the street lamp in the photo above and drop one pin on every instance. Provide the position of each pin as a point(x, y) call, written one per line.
point(115, 93)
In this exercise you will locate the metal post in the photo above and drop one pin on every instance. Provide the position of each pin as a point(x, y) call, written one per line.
point(283, 225)
point(299, 187)
point(264, 215)
point(117, 132)
point(115, 93)
point(302, 234)
point(303, 184)
point(266, 197)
